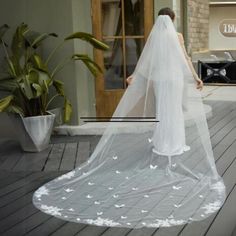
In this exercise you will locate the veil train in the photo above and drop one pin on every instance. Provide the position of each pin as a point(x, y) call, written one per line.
point(160, 174)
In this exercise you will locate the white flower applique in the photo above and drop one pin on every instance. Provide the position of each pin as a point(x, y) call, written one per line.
point(153, 167)
point(41, 191)
point(119, 206)
point(102, 221)
point(177, 205)
point(176, 187)
point(68, 175)
point(149, 140)
point(212, 207)
point(51, 210)
point(144, 211)
point(68, 190)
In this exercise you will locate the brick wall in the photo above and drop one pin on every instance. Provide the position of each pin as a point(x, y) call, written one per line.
point(198, 25)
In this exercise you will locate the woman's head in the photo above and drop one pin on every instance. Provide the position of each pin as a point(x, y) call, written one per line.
point(167, 11)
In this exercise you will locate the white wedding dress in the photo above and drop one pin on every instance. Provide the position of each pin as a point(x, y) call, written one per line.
point(161, 175)
point(169, 135)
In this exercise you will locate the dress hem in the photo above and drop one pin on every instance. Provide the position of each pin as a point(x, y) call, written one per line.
point(184, 149)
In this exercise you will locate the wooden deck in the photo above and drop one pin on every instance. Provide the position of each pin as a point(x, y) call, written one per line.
point(22, 173)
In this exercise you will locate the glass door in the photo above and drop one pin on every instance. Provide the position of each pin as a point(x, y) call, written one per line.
point(124, 25)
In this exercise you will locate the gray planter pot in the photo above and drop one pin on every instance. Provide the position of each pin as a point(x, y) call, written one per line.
point(33, 133)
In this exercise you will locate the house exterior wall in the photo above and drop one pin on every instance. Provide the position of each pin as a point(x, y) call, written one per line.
point(85, 81)
point(198, 25)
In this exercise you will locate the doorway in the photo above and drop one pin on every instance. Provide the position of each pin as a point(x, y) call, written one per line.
point(124, 25)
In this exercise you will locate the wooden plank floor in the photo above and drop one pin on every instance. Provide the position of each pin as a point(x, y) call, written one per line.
point(21, 174)
point(63, 154)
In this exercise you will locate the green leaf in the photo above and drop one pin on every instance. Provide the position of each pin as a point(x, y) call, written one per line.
point(38, 89)
point(26, 87)
point(5, 102)
point(33, 76)
point(15, 109)
point(88, 38)
point(45, 81)
point(67, 110)
point(18, 41)
point(59, 86)
point(6, 77)
point(38, 62)
point(8, 84)
point(34, 39)
point(41, 78)
point(91, 65)
point(18, 49)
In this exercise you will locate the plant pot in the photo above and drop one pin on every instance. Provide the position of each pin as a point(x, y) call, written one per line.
point(58, 116)
point(33, 133)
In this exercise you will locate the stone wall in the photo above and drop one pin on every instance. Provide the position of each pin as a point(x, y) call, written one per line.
point(198, 25)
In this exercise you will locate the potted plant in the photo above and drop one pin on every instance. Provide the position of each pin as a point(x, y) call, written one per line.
point(30, 87)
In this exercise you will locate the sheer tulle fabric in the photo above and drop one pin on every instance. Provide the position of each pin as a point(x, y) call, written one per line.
point(150, 174)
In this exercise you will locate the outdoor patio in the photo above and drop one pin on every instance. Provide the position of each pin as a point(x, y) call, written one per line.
point(22, 173)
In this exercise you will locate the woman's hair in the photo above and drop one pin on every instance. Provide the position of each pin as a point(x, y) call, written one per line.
point(167, 11)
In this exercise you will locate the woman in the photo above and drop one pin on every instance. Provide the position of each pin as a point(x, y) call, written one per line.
point(127, 181)
point(163, 144)
point(171, 14)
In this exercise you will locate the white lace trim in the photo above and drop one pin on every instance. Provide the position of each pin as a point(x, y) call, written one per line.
point(68, 175)
point(55, 211)
point(164, 223)
point(41, 191)
point(102, 221)
point(219, 186)
point(212, 207)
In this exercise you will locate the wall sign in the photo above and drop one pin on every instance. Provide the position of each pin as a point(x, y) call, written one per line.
point(227, 27)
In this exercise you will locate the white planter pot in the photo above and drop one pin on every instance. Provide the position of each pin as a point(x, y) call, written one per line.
point(58, 116)
point(33, 133)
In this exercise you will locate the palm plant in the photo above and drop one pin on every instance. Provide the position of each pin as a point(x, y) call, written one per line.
point(26, 76)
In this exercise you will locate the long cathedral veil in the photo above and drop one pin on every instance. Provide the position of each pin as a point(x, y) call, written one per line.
point(156, 172)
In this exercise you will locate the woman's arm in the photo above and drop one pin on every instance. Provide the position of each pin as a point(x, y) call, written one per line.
point(195, 75)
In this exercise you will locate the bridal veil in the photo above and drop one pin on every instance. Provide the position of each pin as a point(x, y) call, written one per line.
point(154, 165)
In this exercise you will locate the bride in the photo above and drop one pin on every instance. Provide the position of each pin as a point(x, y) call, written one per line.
point(163, 131)
point(157, 171)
